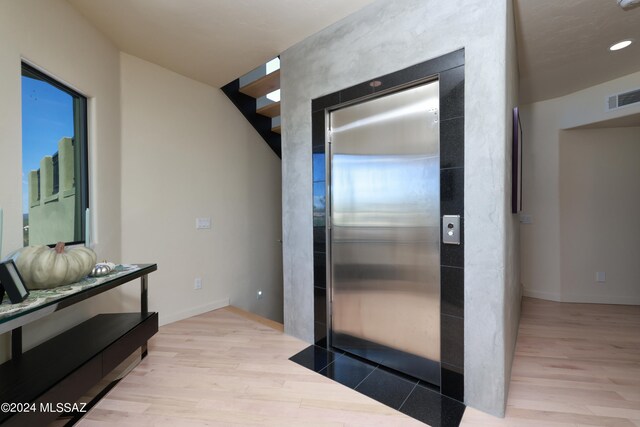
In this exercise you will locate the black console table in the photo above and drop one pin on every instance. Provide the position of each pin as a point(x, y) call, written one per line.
point(59, 371)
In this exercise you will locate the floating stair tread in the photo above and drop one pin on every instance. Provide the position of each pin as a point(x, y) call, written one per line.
point(270, 110)
point(276, 129)
point(263, 85)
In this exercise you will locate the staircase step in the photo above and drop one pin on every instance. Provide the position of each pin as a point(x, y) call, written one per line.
point(270, 110)
point(276, 129)
point(263, 85)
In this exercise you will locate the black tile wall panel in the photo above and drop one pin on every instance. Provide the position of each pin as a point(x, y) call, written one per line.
point(318, 168)
point(318, 131)
point(452, 340)
point(320, 334)
point(452, 143)
point(319, 215)
point(355, 92)
point(452, 93)
point(420, 71)
point(320, 269)
point(319, 204)
point(319, 238)
point(452, 379)
point(452, 191)
point(319, 104)
point(452, 291)
point(320, 304)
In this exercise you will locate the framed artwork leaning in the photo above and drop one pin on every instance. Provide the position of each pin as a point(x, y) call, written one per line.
point(11, 282)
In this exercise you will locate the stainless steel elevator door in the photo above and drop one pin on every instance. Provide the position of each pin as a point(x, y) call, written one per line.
point(385, 243)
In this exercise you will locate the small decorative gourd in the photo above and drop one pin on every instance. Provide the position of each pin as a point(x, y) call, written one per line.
point(42, 267)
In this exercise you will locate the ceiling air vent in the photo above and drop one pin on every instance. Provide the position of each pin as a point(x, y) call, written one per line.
point(623, 99)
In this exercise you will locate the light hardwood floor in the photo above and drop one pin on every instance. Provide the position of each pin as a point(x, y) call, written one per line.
point(576, 365)
point(222, 368)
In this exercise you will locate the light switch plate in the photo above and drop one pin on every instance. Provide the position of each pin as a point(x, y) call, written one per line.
point(203, 223)
point(526, 219)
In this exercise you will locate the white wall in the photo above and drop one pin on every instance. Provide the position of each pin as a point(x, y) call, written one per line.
point(599, 205)
point(379, 39)
point(55, 38)
point(541, 254)
point(187, 152)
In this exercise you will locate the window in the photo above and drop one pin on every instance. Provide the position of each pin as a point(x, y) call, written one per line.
point(54, 160)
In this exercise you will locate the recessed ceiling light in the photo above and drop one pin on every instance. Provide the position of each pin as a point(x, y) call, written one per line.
point(621, 45)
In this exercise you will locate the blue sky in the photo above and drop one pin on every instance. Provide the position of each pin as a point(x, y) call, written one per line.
point(47, 116)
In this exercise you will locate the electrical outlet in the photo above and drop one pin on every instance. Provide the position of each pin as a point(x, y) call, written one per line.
point(197, 284)
point(259, 295)
point(601, 276)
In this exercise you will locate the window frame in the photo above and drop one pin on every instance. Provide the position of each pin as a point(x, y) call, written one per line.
point(81, 148)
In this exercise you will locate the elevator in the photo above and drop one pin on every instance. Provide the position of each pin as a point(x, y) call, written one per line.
point(384, 230)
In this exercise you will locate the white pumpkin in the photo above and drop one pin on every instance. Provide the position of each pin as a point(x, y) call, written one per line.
point(43, 267)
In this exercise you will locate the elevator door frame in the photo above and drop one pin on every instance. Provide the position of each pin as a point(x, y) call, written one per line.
point(450, 71)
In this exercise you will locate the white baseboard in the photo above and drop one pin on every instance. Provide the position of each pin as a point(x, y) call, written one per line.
point(194, 311)
point(602, 299)
point(582, 298)
point(550, 296)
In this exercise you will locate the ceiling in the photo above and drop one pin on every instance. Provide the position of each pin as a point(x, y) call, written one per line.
point(562, 44)
point(212, 41)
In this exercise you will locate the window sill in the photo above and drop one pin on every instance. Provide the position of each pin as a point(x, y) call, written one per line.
point(52, 198)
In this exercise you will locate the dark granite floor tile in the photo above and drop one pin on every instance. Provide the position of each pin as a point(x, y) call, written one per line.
point(314, 358)
point(347, 371)
point(432, 408)
point(430, 386)
point(386, 388)
point(417, 399)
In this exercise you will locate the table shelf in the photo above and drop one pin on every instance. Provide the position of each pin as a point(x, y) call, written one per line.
point(63, 368)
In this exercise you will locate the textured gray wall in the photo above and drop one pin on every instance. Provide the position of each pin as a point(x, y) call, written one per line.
point(513, 287)
point(382, 38)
